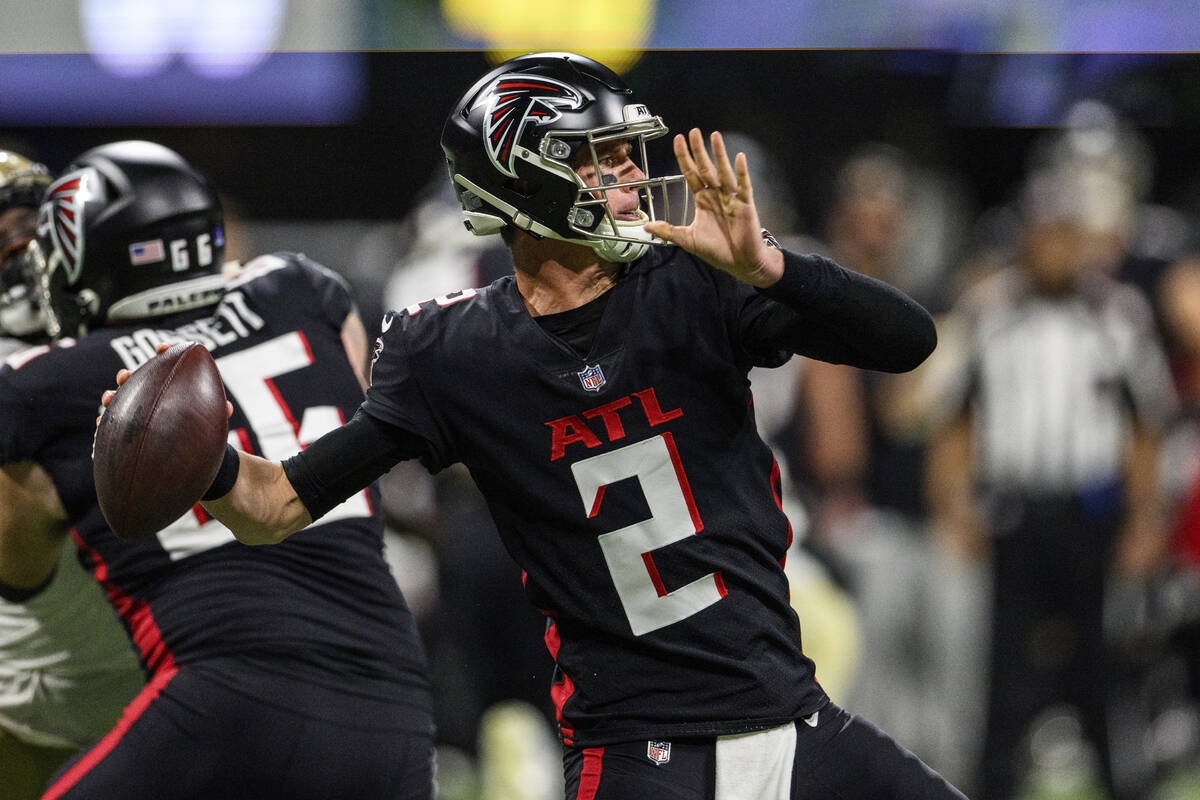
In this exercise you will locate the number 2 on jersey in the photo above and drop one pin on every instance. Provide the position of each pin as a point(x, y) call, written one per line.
point(629, 551)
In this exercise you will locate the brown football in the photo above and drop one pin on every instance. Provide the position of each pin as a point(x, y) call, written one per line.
point(160, 441)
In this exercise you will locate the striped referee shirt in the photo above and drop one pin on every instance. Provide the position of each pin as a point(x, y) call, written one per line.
point(1054, 383)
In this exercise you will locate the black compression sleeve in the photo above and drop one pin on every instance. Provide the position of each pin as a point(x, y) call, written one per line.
point(347, 459)
point(837, 315)
point(809, 282)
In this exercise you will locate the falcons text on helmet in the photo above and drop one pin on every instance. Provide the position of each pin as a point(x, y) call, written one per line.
point(514, 100)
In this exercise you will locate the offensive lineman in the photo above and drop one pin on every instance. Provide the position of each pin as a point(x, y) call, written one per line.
point(599, 397)
point(290, 673)
point(66, 666)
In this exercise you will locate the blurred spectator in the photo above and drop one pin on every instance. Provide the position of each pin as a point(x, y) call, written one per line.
point(1047, 465)
point(860, 450)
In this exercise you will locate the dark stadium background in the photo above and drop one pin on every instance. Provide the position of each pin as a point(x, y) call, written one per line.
point(966, 113)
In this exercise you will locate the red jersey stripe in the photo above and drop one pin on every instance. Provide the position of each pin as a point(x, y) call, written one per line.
point(105, 746)
point(147, 636)
point(589, 776)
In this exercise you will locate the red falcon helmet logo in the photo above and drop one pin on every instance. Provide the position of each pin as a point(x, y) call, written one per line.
point(513, 101)
point(60, 219)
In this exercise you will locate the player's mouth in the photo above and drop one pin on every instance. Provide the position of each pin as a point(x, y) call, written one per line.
point(631, 214)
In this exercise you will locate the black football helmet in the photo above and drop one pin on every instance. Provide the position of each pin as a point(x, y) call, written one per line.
point(129, 232)
point(514, 139)
point(22, 184)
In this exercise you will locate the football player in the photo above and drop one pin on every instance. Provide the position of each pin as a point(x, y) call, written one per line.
point(66, 667)
point(294, 672)
point(599, 398)
point(22, 184)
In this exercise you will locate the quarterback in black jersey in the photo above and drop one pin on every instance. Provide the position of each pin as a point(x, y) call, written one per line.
point(599, 397)
point(294, 672)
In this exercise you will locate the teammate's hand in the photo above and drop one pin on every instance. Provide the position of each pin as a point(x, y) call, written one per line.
point(725, 231)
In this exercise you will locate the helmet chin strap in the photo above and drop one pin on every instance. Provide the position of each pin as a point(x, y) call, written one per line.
point(621, 250)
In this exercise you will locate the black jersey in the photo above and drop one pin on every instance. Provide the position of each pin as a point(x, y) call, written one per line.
point(631, 486)
point(325, 599)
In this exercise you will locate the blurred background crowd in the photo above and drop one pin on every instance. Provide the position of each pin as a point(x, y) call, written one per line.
point(997, 556)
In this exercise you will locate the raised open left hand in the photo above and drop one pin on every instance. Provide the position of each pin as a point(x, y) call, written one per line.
point(725, 231)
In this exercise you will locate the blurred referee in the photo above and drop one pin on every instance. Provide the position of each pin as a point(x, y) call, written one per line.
point(1049, 461)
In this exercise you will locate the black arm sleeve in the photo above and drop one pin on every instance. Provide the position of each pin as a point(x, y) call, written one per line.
point(347, 459)
point(840, 316)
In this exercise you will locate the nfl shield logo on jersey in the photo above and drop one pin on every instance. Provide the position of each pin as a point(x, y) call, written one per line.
point(658, 752)
point(592, 378)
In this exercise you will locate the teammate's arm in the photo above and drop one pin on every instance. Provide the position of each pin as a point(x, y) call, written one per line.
point(33, 527)
point(354, 339)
